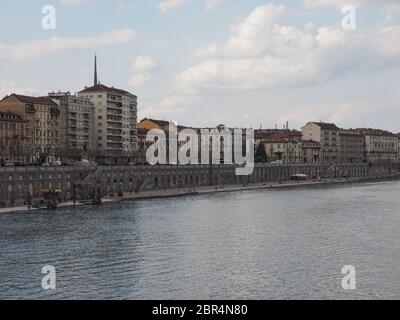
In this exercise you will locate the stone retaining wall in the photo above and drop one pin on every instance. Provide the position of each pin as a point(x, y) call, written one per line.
point(17, 183)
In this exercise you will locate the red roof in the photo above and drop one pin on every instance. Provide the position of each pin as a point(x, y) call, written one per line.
point(103, 88)
point(35, 100)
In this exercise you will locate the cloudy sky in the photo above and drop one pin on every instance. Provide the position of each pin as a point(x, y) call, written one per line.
point(205, 62)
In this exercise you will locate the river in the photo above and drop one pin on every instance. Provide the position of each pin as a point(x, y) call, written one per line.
point(258, 244)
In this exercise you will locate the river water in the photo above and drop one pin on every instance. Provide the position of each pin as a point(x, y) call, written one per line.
point(266, 244)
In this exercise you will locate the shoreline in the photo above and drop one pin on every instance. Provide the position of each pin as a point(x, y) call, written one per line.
point(184, 192)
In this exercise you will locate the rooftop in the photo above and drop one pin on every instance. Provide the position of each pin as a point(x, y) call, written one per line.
point(34, 100)
point(327, 126)
point(103, 88)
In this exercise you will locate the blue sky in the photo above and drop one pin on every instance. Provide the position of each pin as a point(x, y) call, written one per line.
point(238, 62)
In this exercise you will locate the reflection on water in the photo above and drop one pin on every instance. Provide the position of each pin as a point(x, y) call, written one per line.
point(283, 244)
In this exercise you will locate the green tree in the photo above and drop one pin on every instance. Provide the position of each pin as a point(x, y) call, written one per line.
point(261, 154)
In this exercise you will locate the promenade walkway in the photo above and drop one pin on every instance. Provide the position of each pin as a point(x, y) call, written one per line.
point(179, 192)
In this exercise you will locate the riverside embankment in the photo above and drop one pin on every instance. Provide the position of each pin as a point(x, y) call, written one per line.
point(27, 185)
point(192, 191)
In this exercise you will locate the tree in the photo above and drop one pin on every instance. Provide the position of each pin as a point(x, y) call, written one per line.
point(261, 154)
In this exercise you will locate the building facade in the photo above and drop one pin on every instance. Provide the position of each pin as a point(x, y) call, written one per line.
point(13, 139)
point(398, 148)
point(327, 134)
point(115, 119)
point(43, 124)
point(351, 146)
point(380, 146)
point(78, 123)
point(283, 146)
point(311, 151)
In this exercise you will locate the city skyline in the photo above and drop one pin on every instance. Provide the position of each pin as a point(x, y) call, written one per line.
point(293, 72)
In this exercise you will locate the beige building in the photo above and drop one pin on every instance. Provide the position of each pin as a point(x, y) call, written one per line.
point(398, 148)
point(351, 146)
point(150, 124)
point(285, 147)
point(78, 123)
point(13, 139)
point(380, 146)
point(311, 151)
point(115, 119)
point(327, 134)
point(43, 128)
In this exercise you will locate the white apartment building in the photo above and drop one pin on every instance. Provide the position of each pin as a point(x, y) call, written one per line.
point(115, 118)
point(380, 146)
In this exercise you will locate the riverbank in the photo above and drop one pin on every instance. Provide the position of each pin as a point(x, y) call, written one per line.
point(182, 192)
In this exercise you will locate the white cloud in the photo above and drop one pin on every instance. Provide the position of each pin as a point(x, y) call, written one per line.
point(168, 5)
point(263, 54)
point(171, 4)
point(144, 63)
point(211, 4)
point(341, 3)
point(75, 2)
point(139, 79)
point(123, 7)
point(143, 68)
point(8, 87)
point(35, 49)
point(172, 104)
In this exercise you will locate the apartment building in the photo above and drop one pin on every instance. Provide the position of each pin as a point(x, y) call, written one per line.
point(327, 134)
point(283, 146)
point(380, 146)
point(311, 151)
point(115, 119)
point(351, 146)
point(150, 124)
point(13, 139)
point(78, 123)
point(398, 148)
point(43, 122)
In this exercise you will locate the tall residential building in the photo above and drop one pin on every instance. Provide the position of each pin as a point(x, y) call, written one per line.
point(351, 146)
point(78, 123)
point(380, 146)
point(115, 118)
point(13, 139)
point(43, 123)
point(327, 134)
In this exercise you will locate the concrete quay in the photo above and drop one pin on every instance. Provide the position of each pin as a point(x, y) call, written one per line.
point(20, 186)
point(184, 192)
